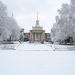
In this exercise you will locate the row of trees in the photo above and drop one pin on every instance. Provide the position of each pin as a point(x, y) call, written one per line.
point(8, 25)
point(64, 27)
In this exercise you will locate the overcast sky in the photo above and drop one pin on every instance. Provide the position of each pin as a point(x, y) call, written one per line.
point(25, 12)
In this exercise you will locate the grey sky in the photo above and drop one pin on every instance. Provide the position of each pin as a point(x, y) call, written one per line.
point(25, 12)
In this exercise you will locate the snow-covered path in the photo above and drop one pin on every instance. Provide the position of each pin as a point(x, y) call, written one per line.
point(34, 47)
point(26, 46)
point(21, 62)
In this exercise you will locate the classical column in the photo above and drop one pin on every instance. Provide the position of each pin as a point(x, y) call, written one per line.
point(30, 37)
point(35, 36)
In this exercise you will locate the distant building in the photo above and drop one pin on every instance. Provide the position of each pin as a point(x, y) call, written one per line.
point(22, 35)
point(26, 36)
point(47, 37)
point(37, 34)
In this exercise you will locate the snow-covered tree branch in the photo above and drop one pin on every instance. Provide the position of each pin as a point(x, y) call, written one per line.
point(65, 23)
point(8, 25)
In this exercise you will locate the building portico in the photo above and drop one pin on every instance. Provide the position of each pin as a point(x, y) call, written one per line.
point(37, 36)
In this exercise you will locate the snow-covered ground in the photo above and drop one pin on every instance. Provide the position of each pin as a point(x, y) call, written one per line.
point(43, 47)
point(25, 61)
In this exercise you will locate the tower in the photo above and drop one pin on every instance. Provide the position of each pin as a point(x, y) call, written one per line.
point(37, 21)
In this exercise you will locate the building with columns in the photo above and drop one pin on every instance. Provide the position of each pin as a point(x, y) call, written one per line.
point(37, 34)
